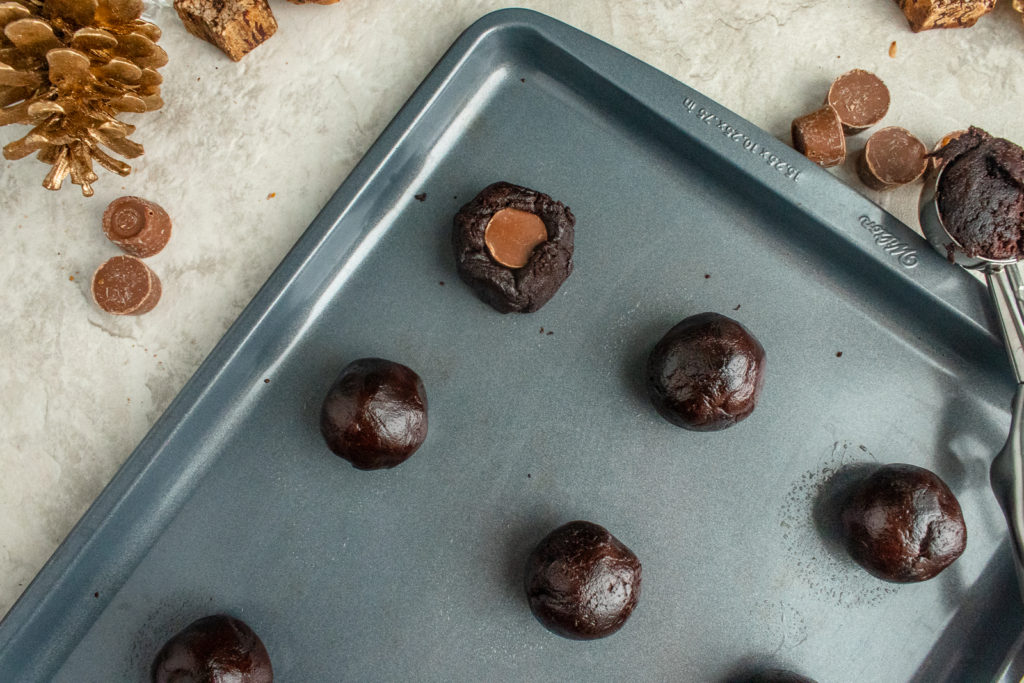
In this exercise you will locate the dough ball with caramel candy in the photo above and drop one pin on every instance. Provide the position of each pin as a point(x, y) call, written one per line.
point(706, 373)
point(514, 246)
point(375, 414)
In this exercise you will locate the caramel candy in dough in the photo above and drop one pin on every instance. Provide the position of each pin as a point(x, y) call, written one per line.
point(819, 137)
point(860, 99)
point(511, 236)
point(139, 227)
point(891, 157)
point(124, 285)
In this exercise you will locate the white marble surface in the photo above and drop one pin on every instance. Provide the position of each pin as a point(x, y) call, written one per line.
point(244, 155)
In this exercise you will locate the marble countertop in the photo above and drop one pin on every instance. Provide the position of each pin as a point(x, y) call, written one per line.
point(244, 155)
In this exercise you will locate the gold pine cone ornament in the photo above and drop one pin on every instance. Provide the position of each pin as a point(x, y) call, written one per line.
point(68, 68)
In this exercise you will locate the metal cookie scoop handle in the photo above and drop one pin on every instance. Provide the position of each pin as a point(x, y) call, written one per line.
point(1004, 285)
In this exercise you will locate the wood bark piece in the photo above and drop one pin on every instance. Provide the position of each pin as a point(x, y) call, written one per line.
point(928, 14)
point(235, 26)
point(819, 136)
point(124, 285)
point(891, 157)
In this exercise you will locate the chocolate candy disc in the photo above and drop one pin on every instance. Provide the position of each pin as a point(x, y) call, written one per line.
point(891, 157)
point(819, 137)
point(124, 285)
point(860, 99)
point(139, 227)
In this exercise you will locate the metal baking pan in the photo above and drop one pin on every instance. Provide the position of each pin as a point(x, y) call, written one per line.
point(232, 503)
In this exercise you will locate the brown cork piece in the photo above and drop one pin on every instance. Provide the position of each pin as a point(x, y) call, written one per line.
point(928, 14)
point(860, 98)
point(891, 157)
point(819, 137)
point(124, 285)
point(139, 227)
point(235, 26)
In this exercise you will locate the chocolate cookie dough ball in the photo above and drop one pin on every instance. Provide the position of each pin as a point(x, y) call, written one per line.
point(375, 414)
point(778, 676)
point(980, 195)
point(582, 582)
point(706, 373)
point(217, 649)
point(513, 246)
point(903, 524)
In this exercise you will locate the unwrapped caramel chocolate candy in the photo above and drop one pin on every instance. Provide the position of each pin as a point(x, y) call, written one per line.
point(819, 136)
point(891, 157)
point(235, 26)
point(860, 99)
point(124, 285)
point(141, 228)
point(928, 14)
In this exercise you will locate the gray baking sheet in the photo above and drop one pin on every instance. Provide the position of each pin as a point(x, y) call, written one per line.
point(878, 351)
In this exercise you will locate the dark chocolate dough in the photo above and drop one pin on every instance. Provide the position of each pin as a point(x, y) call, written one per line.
point(513, 290)
point(981, 194)
point(706, 373)
point(582, 582)
point(375, 414)
point(903, 524)
point(216, 649)
point(779, 676)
